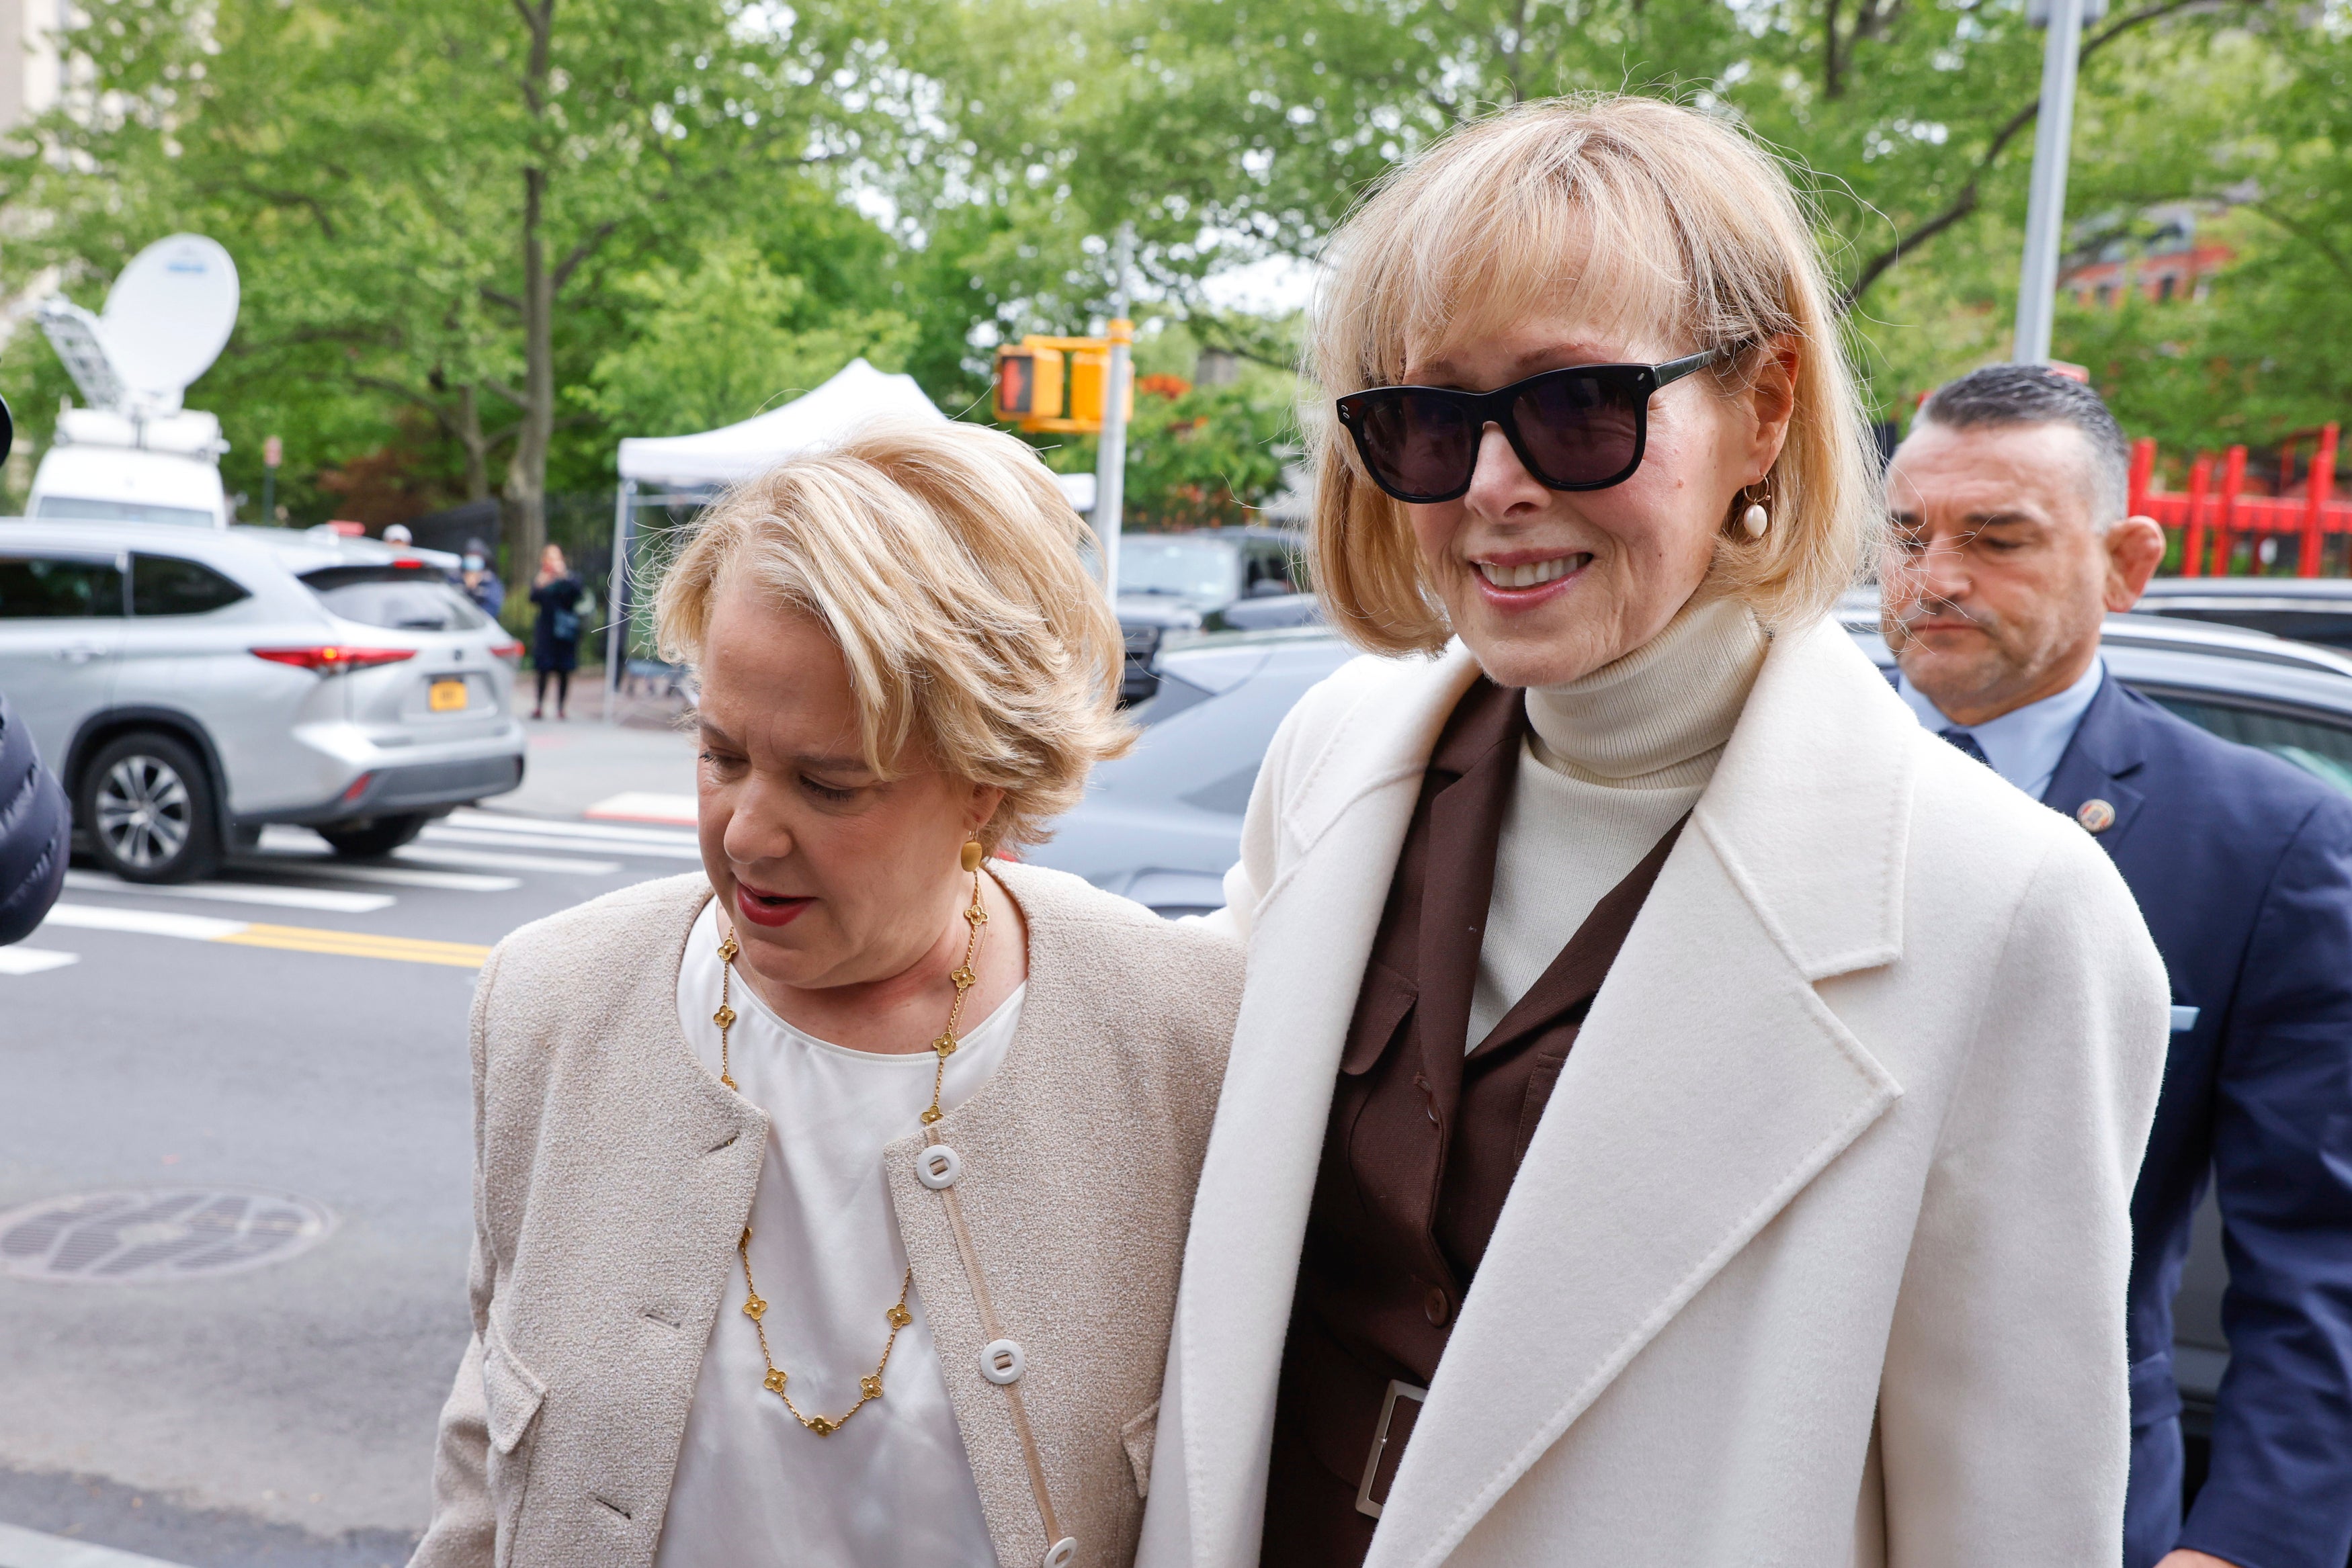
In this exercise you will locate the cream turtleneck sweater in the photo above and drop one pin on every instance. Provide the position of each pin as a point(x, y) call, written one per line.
point(1614, 759)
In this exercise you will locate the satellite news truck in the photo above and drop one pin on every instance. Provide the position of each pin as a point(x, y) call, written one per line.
point(135, 454)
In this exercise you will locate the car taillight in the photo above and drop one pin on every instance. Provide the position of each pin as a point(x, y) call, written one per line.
point(508, 651)
point(328, 658)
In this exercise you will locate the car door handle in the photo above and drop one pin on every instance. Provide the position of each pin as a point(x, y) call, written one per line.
point(78, 654)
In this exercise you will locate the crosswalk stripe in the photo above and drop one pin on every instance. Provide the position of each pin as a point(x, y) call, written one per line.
point(428, 855)
point(21, 1548)
point(387, 876)
point(22, 960)
point(248, 934)
point(505, 841)
point(143, 922)
point(362, 945)
point(553, 827)
point(643, 806)
point(320, 898)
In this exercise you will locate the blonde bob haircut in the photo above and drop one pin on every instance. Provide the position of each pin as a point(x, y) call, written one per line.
point(1629, 214)
point(944, 562)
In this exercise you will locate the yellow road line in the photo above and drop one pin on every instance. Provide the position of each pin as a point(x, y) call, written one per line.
point(360, 944)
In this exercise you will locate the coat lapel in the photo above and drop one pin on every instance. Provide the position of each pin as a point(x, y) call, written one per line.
point(1709, 1085)
point(1465, 819)
point(2101, 761)
point(1309, 940)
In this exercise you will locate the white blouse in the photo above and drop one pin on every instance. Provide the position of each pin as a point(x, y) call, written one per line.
point(892, 1487)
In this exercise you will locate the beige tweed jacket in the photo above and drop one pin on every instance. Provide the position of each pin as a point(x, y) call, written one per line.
point(612, 1174)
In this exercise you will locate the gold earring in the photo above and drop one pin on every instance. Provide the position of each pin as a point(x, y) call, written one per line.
point(972, 855)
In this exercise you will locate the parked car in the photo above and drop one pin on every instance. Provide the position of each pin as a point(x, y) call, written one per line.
point(190, 686)
point(1162, 824)
point(2311, 609)
point(1208, 579)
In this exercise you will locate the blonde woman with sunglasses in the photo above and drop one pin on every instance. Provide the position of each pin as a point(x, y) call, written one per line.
point(1681, 1113)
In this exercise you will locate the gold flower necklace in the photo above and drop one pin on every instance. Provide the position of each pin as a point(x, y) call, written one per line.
point(899, 1317)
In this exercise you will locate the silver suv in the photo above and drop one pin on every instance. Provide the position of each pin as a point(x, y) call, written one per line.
point(189, 687)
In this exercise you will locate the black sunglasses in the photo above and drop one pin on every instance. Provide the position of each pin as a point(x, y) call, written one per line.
point(1582, 428)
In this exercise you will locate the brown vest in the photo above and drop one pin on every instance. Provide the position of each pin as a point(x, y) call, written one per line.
point(1423, 1144)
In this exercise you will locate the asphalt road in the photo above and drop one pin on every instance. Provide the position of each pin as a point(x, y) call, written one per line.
point(297, 1028)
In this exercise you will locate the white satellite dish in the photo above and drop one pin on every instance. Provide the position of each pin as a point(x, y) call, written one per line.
point(168, 317)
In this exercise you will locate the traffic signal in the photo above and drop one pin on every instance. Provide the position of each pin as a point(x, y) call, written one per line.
point(1089, 368)
point(1031, 378)
point(1028, 383)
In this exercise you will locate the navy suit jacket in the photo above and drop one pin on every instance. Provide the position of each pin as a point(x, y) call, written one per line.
point(2243, 867)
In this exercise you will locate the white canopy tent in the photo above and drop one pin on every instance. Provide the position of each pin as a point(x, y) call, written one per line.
point(667, 470)
point(857, 394)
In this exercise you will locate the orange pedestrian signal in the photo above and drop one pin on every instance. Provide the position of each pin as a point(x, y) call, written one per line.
point(1032, 379)
point(1028, 383)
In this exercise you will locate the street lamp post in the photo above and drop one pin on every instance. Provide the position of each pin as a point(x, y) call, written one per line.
point(2054, 135)
point(1111, 451)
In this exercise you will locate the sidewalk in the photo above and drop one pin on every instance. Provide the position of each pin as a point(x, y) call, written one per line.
point(580, 763)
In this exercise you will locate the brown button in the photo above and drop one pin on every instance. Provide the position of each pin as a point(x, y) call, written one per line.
point(1437, 1307)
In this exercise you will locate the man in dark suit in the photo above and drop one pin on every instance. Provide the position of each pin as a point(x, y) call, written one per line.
point(2010, 543)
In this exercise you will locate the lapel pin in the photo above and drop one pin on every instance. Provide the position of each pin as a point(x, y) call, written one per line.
point(2096, 816)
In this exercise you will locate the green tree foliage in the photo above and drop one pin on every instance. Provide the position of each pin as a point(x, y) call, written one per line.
point(722, 343)
point(440, 208)
point(482, 239)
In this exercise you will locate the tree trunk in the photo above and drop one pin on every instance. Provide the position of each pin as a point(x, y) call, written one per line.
point(469, 436)
point(527, 472)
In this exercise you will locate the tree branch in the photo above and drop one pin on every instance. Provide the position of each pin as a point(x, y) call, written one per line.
point(581, 252)
point(1971, 192)
point(2304, 232)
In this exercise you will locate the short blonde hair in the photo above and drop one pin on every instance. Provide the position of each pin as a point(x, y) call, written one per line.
point(944, 562)
point(1635, 213)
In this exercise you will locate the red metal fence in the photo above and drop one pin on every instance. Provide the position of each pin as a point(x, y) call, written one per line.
point(2211, 523)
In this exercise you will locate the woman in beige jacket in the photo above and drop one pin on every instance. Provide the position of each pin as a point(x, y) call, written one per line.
point(828, 1202)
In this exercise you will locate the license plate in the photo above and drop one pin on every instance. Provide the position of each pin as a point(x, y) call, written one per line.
point(447, 696)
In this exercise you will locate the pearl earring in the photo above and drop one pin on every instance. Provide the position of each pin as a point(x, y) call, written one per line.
point(1756, 520)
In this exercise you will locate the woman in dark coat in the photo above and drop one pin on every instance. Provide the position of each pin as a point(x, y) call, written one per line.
point(555, 634)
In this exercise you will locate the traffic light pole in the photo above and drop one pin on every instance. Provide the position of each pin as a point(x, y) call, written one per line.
point(1110, 452)
point(2045, 211)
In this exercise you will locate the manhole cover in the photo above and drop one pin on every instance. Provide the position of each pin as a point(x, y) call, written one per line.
point(168, 1233)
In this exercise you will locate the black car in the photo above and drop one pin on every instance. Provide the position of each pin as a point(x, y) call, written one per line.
point(2308, 608)
point(1207, 580)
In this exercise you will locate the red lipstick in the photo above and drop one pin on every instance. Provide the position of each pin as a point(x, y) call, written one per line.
point(768, 908)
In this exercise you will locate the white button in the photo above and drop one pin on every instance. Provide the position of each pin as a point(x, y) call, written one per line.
point(937, 1166)
point(1001, 1362)
point(1059, 1554)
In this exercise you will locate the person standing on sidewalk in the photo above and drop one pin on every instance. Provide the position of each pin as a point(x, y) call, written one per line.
point(479, 581)
point(2012, 544)
point(555, 634)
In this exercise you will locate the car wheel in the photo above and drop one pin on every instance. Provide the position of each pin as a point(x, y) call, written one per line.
point(147, 804)
point(372, 836)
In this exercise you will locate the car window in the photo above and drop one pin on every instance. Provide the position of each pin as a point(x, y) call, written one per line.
point(1268, 564)
point(2323, 750)
point(32, 588)
point(83, 509)
point(1176, 563)
point(169, 585)
point(399, 597)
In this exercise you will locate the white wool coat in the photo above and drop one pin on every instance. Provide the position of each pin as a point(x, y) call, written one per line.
point(1818, 1255)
